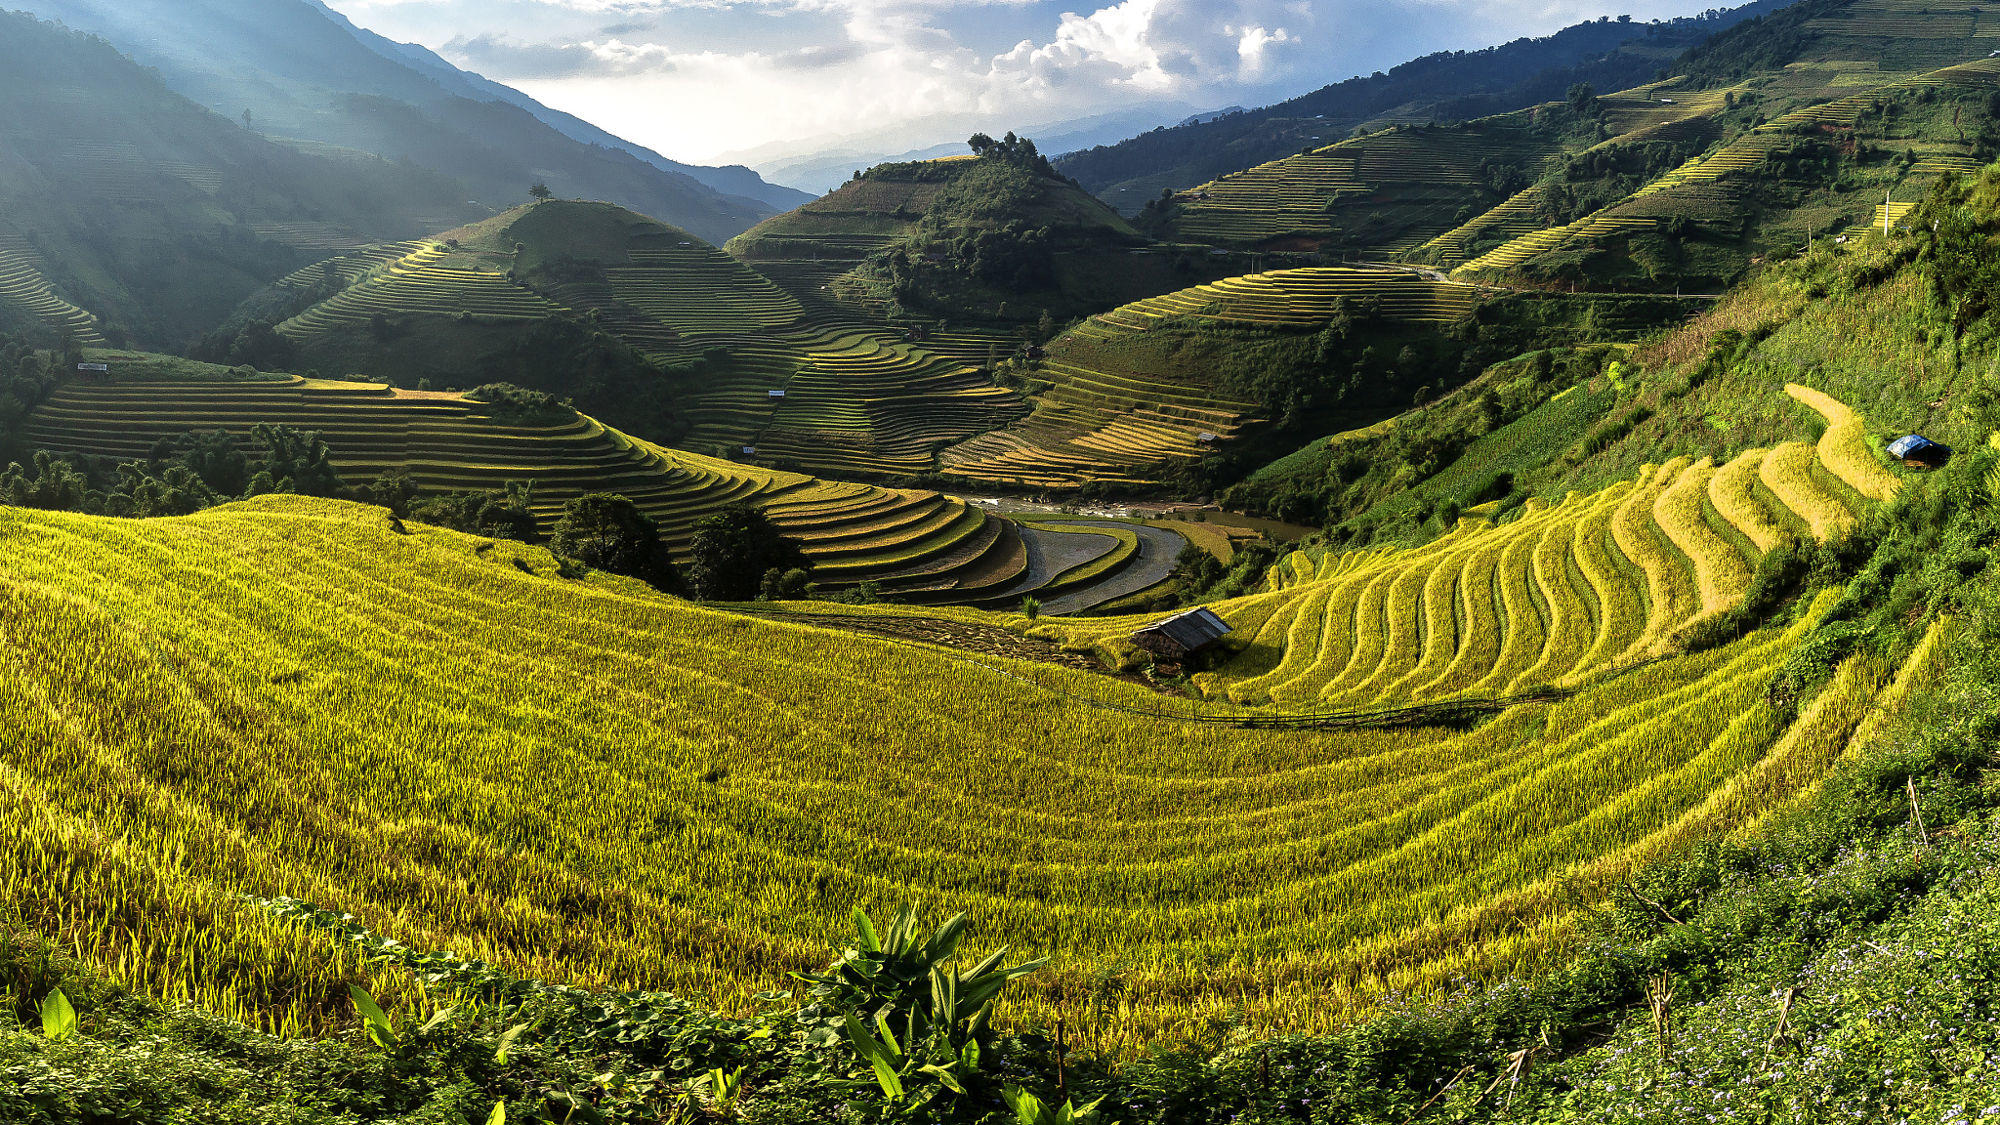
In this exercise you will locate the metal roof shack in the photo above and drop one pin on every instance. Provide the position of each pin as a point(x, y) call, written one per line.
point(1183, 635)
point(1918, 451)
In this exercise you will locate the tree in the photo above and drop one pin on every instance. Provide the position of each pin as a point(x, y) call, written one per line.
point(298, 461)
point(1583, 99)
point(734, 549)
point(541, 192)
point(608, 532)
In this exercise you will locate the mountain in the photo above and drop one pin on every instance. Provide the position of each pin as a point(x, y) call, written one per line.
point(734, 180)
point(1448, 86)
point(641, 324)
point(129, 212)
point(294, 71)
point(1786, 128)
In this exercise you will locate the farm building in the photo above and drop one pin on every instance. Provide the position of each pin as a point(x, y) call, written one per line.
point(1919, 451)
point(1183, 635)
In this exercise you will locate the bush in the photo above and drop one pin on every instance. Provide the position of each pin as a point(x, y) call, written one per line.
point(517, 403)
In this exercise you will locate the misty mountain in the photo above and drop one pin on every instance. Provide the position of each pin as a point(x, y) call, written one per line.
point(157, 215)
point(295, 71)
point(734, 180)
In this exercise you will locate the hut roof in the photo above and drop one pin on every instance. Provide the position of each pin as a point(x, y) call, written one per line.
point(1193, 631)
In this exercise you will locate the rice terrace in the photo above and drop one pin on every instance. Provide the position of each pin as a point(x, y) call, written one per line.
point(1457, 589)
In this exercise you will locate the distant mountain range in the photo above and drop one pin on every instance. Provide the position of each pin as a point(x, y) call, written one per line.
point(1448, 86)
point(297, 71)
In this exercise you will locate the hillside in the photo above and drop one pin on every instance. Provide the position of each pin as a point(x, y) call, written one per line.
point(128, 211)
point(681, 735)
point(680, 341)
point(910, 544)
point(1711, 715)
point(1789, 127)
point(998, 237)
point(1448, 86)
point(1185, 392)
point(306, 76)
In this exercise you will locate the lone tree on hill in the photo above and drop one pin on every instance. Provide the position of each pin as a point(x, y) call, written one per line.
point(541, 191)
point(734, 549)
point(610, 533)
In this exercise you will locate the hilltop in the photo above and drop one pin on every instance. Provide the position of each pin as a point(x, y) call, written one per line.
point(1449, 86)
point(995, 236)
point(299, 73)
point(128, 211)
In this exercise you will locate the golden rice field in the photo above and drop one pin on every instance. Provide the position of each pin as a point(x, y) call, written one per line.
point(590, 783)
point(1563, 595)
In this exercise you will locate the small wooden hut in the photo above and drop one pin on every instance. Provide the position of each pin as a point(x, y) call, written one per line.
point(1183, 635)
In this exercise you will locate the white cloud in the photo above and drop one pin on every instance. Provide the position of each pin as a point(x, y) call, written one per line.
point(695, 78)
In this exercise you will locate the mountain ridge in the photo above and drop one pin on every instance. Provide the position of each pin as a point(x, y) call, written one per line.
point(302, 75)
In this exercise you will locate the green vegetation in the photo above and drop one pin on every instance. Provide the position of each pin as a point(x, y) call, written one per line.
point(734, 553)
point(994, 236)
point(610, 533)
point(1448, 86)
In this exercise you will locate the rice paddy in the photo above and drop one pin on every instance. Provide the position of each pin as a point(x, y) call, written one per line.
point(1567, 594)
point(585, 782)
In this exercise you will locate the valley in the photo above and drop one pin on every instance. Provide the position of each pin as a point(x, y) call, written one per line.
point(1437, 614)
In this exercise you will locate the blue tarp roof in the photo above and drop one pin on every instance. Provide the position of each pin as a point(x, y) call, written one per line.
point(1914, 444)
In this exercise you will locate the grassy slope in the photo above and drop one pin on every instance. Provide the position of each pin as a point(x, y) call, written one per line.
point(600, 802)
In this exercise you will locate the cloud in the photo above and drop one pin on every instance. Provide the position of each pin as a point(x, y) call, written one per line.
point(698, 77)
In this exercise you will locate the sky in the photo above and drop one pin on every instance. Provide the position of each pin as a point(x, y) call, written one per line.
point(707, 80)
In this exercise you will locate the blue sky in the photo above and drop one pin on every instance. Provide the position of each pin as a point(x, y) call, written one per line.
point(703, 79)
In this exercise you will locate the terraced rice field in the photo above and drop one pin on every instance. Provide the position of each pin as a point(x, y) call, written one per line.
point(1351, 189)
point(1686, 190)
point(419, 283)
point(697, 290)
point(1095, 423)
point(864, 401)
point(584, 782)
point(820, 392)
point(916, 544)
point(448, 444)
point(26, 297)
point(1567, 594)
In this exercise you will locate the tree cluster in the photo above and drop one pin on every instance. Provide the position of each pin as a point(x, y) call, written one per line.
point(180, 475)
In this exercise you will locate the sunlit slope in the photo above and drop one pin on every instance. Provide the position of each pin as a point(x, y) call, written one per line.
point(1779, 130)
point(852, 532)
point(1718, 184)
point(755, 373)
point(1560, 595)
point(1389, 191)
point(1117, 407)
point(587, 783)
